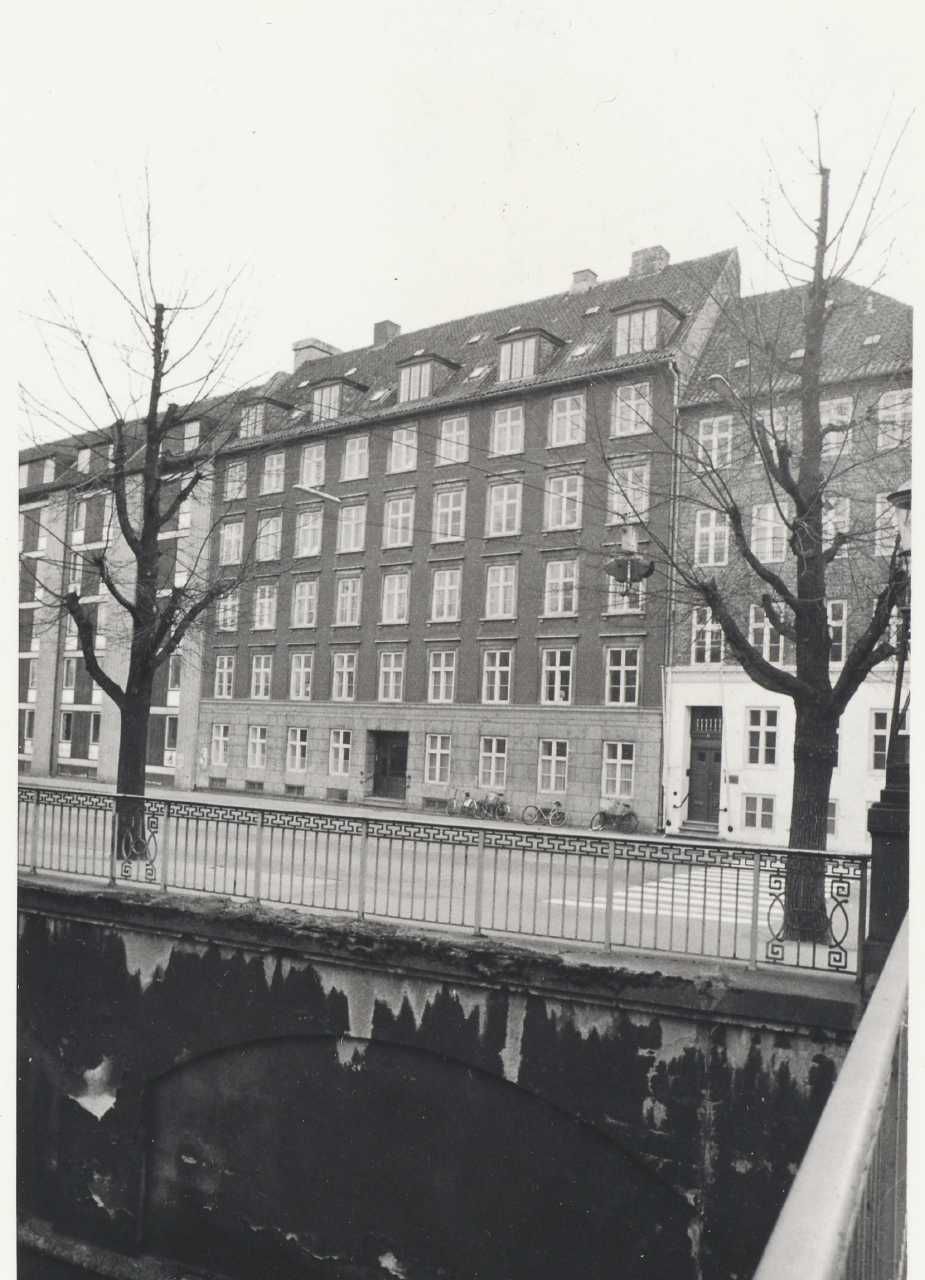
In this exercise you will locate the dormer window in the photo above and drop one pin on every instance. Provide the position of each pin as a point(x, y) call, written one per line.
point(636, 331)
point(48, 470)
point(252, 421)
point(518, 360)
point(190, 436)
point(415, 381)
point(23, 475)
point(83, 460)
point(326, 401)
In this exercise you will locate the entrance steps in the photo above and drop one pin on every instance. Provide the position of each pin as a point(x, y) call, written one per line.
point(381, 802)
point(700, 830)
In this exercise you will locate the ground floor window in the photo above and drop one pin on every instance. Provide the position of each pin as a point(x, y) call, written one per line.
point(437, 758)
point(493, 763)
point(339, 755)
point(221, 736)
point(257, 747)
point(553, 765)
point(297, 751)
point(758, 813)
point(619, 769)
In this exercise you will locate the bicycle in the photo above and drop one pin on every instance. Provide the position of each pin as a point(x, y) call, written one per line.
point(137, 845)
point(619, 817)
point(493, 806)
point(552, 814)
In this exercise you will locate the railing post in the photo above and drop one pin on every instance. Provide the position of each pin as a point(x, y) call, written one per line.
point(862, 918)
point(113, 843)
point(608, 909)
point(479, 880)
point(364, 868)
point(756, 895)
point(34, 838)
point(166, 844)
point(258, 879)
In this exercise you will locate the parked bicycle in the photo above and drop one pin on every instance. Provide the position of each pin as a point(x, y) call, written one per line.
point(493, 806)
point(137, 843)
point(619, 817)
point(552, 814)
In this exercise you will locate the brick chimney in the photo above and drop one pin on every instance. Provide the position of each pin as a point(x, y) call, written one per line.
point(649, 262)
point(583, 280)
point(384, 331)
point(310, 349)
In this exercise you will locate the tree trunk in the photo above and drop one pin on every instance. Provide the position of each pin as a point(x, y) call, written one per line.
point(805, 913)
point(130, 777)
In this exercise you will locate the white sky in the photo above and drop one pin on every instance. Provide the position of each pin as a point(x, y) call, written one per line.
point(419, 162)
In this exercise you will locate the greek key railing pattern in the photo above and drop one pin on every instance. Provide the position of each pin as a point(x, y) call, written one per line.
point(726, 901)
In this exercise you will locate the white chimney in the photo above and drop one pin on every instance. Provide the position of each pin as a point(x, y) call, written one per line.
point(649, 262)
point(310, 349)
point(583, 280)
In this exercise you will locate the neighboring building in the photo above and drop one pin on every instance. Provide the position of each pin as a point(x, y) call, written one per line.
point(728, 741)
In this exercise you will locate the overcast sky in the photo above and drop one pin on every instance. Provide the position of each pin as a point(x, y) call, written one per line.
point(419, 162)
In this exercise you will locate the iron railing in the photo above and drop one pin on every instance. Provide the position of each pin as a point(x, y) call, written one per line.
point(845, 1215)
point(721, 901)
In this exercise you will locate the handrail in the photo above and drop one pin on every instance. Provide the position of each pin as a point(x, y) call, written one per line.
point(814, 1232)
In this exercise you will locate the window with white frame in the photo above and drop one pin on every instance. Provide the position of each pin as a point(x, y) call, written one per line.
point(300, 675)
point(517, 360)
point(496, 675)
point(763, 727)
point(770, 642)
point(351, 527)
point(273, 477)
point(355, 462)
point(83, 460)
point(264, 606)
point(453, 445)
point(880, 735)
point(553, 765)
point(396, 596)
point(308, 531)
point(501, 591)
point(311, 465)
point(445, 595)
point(556, 676)
point(174, 672)
point(224, 676)
point(769, 533)
point(95, 725)
point(398, 521)
point(627, 492)
point(79, 526)
point(631, 409)
point(304, 611)
point(620, 601)
point(66, 732)
point(894, 419)
point(711, 538)
point(758, 813)
point(884, 527)
point(269, 537)
point(403, 449)
point(48, 470)
point(221, 737)
point(437, 758)
point(714, 442)
point(836, 519)
point(235, 481)
point(69, 678)
point(253, 417)
point(257, 736)
point(23, 475)
point(836, 414)
point(261, 674)
point(622, 666)
point(503, 509)
point(563, 502)
point(347, 597)
point(449, 520)
point(296, 750)
point(507, 430)
point(184, 515)
point(32, 677)
point(618, 770)
point(566, 420)
point(344, 677)
point(706, 637)
point(415, 381)
point(837, 611)
point(636, 331)
point(441, 682)
point(190, 436)
point(391, 676)
point(325, 402)
point(493, 763)
point(560, 594)
point(831, 818)
point(339, 752)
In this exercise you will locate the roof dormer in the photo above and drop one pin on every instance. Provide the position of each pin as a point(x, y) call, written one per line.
point(525, 352)
point(644, 326)
point(331, 397)
point(421, 374)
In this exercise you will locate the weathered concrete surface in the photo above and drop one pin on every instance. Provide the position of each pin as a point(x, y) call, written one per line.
point(266, 1093)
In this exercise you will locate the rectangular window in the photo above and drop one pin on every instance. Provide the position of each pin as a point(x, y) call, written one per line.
point(257, 735)
point(261, 674)
point(190, 436)
point(171, 726)
point(23, 475)
point(831, 818)
point(894, 419)
point(556, 678)
point(879, 738)
point(560, 595)
point(174, 672)
point(67, 727)
point(627, 492)
point(221, 736)
point(769, 533)
point(714, 442)
point(351, 527)
point(631, 409)
point(838, 415)
point(767, 639)
point(355, 462)
point(837, 611)
point(836, 519)
point(453, 445)
point(83, 460)
point(553, 765)
point(758, 813)
point(305, 603)
point(269, 537)
point(501, 591)
point(441, 683)
point(391, 676)
point(344, 681)
point(273, 479)
point(563, 502)
point(398, 521)
point(706, 637)
point(69, 676)
point(403, 449)
point(396, 594)
point(308, 531)
point(48, 470)
point(297, 751)
point(618, 770)
point(414, 381)
point(636, 331)
point(449, 521)
point(437, 758)
point(80, 521)
point(224, 676)
point(507, 430)
point(300, 676)
point(95, 723)
point(226, 614)
point(311, 465)
point(517, 360)
point(445, 595)
point(252, 421)
point(502, 512)
point(567, 421)
point(264, 606)
point(762, 735)
point(339, 752)
point(235, 481)
point(711, 538)
point(325, 404)
point(620, 600)
point(622, 675)
point(493, 763)
point(496, 675)
point(348, 595)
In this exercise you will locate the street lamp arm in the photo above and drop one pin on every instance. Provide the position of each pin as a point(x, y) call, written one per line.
point(319, 493)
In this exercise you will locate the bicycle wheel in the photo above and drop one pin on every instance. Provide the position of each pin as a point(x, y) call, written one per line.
point(127, 845)
point(530, 814)
point(557, 817)
point(630, 821)
point(599, 821)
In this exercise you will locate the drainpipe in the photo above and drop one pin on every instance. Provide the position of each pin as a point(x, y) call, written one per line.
point(671, 582)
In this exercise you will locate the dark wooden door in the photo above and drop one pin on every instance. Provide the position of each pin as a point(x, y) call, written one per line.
point(706, 763)
point(390, 765)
